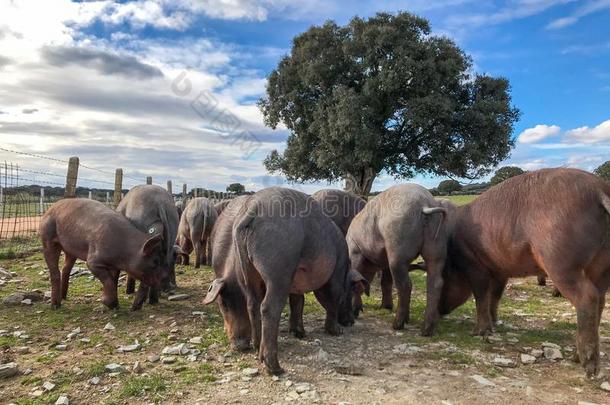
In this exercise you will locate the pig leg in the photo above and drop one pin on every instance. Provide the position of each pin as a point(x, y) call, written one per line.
point(368, 270)
point(297, 302)
point(51, 252)
point(209, 249)
point(198, 254)
point(542, 280)
point(65, 274)
point(386, 289)
point(253, 301)
point(329, 297)
point(480, 281)
point(434, 255)
point(497, 289)
point(130, 288)
point(271, 312)
point(402, 281)
point(138, 301)
point(153, 296)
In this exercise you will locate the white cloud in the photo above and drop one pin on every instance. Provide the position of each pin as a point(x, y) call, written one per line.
point(597, 134)
point(538, 133)
point(588, 8)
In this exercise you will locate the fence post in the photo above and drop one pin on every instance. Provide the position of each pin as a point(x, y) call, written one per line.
point(107, 197)
point(41, 200)
point(169, 186)
point(184, 191)
point(149, 180)
point(118, 186)
point(89, 194)
point(70, 191)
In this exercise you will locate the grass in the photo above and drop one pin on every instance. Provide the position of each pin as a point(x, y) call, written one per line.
point(460, 199)
point(150, 386)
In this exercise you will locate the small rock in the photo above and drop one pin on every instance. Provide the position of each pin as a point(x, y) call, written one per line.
point(527, 359)
point(250, 372)
point(537, 353)
point(288, 383)
point(153, 358)
point(129, 348)
point(196, 340)
point(13, 299)
point(48, 386)
point(551, 345)
point(482, 380)
point(22, 349)
point(321, 356)
point(292, 396)
point(62, 400)
point(550, 353)
point(94, 381)
point(302, 387)
point(27, 371)
point(26, 301)
point(137, 367)
point(504, 362)
point(8, 370)
point(178, 297)
point(406, 349)
point(37, 393)
point(114, 368)
point(168, 359)
point(605, 386)
point(275, 378)
point(179, 349)
point(244, 391)
point(109, 326)
point(85, 340)
point(61, 347)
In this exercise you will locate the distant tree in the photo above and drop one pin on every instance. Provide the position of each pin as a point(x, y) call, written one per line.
point(604, 171)
point(236, 188)
point(384, 94)
point(504, 173)
point(448, 187)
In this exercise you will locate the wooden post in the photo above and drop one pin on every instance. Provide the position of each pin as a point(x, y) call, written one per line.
point(70, 191)
point(107, 197)
point(118, 186)
point(89, 194)
point(184, 191)
point(169, 186)
point(149, 180)
point(41, 200)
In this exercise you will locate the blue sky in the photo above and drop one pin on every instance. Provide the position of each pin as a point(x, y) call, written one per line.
point(108, 81)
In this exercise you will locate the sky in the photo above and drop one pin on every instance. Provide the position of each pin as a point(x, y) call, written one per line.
point(168, 89)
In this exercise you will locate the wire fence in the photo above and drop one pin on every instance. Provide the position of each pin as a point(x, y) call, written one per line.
point(30, 187)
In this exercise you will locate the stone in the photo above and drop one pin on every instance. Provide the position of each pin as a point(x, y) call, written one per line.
point(406, 349)
point(178, 297)
point(5, 274)
point(196, 340)
point(551, 345)
point(8, 370)
point(551, 353)
point(61, 347)
point(179, 349)
point(321, 356)
point(250, 372)
point(504, 362)
point(244, 391)
point(26, 301)
point(153, 358)
point(37, 393)
point(302, 387)
point(537, 353)
point(13, 299)
point(48, 386)
point(605, 386)
point(22, 349)
point(94, 381)
point(482, 380)
point(114, 368)
point(527, 359)
point(137, 367)
point(62, 400)
point(109, 326)
point(85, 340)
point(168, 359)
point(130, 348)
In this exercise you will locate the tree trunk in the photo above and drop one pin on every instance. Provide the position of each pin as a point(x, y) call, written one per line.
point(361, 182)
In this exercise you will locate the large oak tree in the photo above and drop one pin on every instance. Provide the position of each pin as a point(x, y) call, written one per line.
point(383, 94)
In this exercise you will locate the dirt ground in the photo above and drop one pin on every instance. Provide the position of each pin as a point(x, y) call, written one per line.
point(18, 226)
point(369, 364)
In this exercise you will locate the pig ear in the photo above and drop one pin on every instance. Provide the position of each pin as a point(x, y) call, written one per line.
point(151, 245)
point(358, 283)
point(418, 266)
point(213, 291)
point(178, 250)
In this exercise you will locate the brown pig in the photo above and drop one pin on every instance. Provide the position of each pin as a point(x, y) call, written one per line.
point(106, 240)
point(553, 222)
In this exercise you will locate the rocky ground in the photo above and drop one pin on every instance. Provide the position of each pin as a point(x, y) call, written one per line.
point(176, 352)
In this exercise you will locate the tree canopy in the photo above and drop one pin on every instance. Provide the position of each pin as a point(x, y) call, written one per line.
point(383, 94)
point(603, 171)
point(504, 173)
point(448, 186)
point(236, 188)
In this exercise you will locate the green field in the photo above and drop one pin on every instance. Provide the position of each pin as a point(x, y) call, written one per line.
point(460, 199)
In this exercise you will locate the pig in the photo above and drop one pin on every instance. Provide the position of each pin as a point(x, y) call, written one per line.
point(106, 240)
point(552, 222)
point(277, 243)
point(342, 207)
point(194, 230)
point(221, 206)
point(151, 207)
point(392, 230)
point(179, 208)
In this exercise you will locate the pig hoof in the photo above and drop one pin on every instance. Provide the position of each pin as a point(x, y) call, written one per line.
point(398, 325)
point(334, 330)
point(428, 330)
point(482, 331)
point(389, 306)
point(274, 370)
point(556, 293)
point(55, 306)
point(298, 333)
point(136, 307)
point(591, 368)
